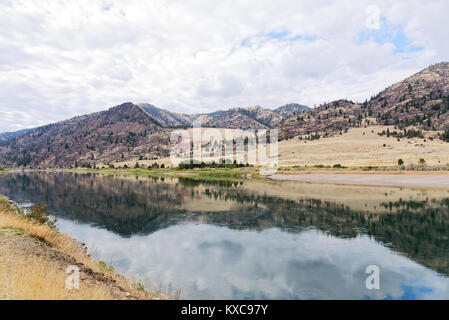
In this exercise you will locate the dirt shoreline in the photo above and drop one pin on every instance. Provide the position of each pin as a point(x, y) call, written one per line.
point(421, 180)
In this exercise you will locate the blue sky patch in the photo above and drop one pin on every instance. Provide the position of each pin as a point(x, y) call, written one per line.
point(414, 293)
point(389, 34)
point(278, 35)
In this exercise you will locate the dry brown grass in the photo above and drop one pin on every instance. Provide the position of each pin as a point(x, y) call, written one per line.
point(49, 235)
point(361, 147)
point(36, 278)
point(29, 276)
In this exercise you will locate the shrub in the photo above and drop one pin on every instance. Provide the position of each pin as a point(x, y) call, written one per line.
point(39, 212)
point(445, 135)
point(400, 162)
point(422, 164)
point(4, 202)
point(369, 168)
point(139, 286)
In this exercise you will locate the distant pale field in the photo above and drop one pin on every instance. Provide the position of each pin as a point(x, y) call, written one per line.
point(358, 147)
point(355, 149)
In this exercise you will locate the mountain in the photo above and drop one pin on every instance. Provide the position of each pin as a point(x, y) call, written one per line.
point(267, 117)
point(233, 119)
point(166, 118)
point(421, 100)
point(290, 110)
point(4, 137)
point(325, 119)
point(120, 133)
point(237, 118)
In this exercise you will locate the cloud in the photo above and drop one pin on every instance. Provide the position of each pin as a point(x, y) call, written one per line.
point(61, 59)
point(226, 86)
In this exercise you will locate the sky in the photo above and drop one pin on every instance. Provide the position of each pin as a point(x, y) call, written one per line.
point(60, 59)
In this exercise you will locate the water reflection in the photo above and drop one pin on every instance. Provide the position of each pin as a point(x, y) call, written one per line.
point(246, 240)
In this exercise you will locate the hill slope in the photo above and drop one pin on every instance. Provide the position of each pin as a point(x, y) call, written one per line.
point(166, 118)
point(233, 119)
point(421, 100)
point(291, 109)
point(5, 136)
point(122, 132)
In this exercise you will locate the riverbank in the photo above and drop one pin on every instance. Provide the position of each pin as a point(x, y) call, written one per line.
point(230, 174)
point(424, 179)
point(378, 176)
point(34, 258)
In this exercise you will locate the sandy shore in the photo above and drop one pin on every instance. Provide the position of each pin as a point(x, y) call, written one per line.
point(396, 180)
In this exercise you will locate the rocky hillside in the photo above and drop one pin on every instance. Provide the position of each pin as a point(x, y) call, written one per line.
point(4, 137)
point(322, 121)
point(290, 110)
point(421, 100)
point(166, 118)
point(120, 133)
point(234, 119)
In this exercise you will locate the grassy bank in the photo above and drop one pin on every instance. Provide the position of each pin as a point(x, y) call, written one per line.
point(232, 174)
point(242, 173)
point(3, 170)
point(34, 258)
point(238, 174)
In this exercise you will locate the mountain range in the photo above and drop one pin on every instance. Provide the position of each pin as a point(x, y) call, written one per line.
point(135, 131)
point(236, 118)
point(123, 132)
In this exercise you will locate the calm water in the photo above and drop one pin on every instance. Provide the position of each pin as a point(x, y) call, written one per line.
point(253, 240)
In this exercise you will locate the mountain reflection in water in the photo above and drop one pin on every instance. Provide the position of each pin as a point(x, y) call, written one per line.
point(285, 240)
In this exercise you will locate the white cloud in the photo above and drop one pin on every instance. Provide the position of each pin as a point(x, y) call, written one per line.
point(60, 59)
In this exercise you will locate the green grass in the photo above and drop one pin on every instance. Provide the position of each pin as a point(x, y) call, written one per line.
point(3, 170)
point(4, 200)
point(234, 174)
point(11, 231)
point(139, 286)
point(105, 266)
